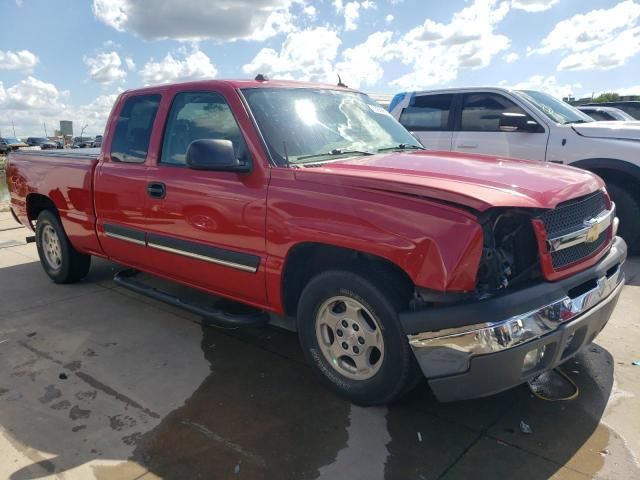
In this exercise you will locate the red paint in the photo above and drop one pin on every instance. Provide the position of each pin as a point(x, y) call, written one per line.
point(413, 209)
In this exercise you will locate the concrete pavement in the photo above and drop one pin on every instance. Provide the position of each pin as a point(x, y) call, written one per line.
point(98, 382)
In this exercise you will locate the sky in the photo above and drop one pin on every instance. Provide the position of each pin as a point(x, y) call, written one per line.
point(69, 59)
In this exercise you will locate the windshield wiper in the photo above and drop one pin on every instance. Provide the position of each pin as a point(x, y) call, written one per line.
point(401, 146)
point(335, 152)
point(570, 122)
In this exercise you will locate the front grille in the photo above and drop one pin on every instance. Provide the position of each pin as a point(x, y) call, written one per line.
point(576, 253)
point(569, 217)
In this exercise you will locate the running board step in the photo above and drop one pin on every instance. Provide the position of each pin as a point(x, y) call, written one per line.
point(211, 315)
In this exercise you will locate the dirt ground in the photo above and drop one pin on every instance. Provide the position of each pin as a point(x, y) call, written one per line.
point(98, 382)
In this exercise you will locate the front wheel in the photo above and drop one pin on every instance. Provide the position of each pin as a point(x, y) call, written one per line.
point(62, 262)
point(628, 211)
point(349, 332)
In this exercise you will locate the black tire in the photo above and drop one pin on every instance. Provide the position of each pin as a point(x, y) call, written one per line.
point(628, 211)
point(398, 372)
point(73, 265)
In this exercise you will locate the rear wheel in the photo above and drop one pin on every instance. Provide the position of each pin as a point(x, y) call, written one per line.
point(349, 332)
point(628, 211)
point(62, 262)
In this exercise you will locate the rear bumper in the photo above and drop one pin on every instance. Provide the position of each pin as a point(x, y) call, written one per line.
point(516, 337)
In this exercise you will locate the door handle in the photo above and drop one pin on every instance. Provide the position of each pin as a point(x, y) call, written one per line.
point(468, 145)
point(156, 190)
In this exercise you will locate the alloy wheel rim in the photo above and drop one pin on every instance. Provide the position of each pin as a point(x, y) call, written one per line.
point(51, 247)
point(349, 338)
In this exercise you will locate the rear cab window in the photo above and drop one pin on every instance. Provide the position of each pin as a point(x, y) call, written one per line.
point(133, 129)
point(428, 113)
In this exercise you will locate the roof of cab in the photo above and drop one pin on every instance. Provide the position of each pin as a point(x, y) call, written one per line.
point(243, 83)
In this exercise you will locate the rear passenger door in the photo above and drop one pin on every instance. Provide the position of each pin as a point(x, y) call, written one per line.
point(429, 118)
point(120, 186)
point(478, 131)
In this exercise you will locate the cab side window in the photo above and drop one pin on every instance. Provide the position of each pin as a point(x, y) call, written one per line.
point(481, 111)
point(427, 113)
point(196, 116)
point(133, 129)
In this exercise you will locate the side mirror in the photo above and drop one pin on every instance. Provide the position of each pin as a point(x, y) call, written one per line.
point(216, 155)
point(517, 122)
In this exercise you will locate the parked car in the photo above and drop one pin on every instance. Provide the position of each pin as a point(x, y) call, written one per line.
point(97, 142)
point(606, 113)
point(14, 143)
point(632, 107)
point(82, 142)
point(530, 125)
point(310, 203)
point(42, 142)
point(59, 144)
point(4, 146)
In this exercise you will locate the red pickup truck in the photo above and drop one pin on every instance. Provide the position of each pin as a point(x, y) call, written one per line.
point(310, 202)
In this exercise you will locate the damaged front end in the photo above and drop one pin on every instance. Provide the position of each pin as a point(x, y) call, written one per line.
point(510, 252)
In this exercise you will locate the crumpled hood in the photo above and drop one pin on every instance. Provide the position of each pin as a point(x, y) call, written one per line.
point(476, 181)
point(621, 130)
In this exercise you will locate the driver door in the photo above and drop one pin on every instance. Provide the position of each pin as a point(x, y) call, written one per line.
point(207, 228)
point(478, 129)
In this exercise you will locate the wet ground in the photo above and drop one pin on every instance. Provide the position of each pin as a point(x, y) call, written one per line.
point(98, 382)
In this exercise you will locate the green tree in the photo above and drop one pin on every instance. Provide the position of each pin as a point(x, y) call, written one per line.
point(607, 97)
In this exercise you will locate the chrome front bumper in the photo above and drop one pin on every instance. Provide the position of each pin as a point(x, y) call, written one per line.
point(450, 352)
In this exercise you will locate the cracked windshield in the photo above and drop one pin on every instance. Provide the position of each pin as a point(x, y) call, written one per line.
point(303, 126)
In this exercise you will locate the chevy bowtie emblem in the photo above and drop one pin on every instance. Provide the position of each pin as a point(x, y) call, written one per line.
point(594, 231)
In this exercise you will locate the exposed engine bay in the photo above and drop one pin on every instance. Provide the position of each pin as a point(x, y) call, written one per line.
point(510, 253)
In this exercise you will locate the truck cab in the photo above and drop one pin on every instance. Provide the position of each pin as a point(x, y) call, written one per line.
point(530, 125)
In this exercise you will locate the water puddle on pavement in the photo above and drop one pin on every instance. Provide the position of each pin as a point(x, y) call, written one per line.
point(261, 413)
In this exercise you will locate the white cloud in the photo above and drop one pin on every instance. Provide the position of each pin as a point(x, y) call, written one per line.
point(533, 5)
point(352, 13)
point(105, 68)
point(31, 102)
point(193, 66)
point(360, 65)
point(20, 60)
point(389, 18)
point(548, 84)
point(511, 57)
point(304, 54)
point(31, 93)
point(627, 90)
point(609, 55)
point(600, 39)
point(309, 11)
point(130, 63)
point(437, 51)
point(196, 19)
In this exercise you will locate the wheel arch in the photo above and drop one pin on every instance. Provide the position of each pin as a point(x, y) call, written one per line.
point(36, 203)
point(307, 259)
point(613, 170)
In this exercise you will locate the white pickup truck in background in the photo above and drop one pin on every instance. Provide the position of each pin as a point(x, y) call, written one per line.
point(530, 125)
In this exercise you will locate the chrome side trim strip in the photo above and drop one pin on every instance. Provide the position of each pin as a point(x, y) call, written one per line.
point(217, 261)
point(125, 239)
point(589, 233)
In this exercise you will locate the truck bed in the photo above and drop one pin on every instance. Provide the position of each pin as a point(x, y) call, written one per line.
point(64, 177)
point(77, 153)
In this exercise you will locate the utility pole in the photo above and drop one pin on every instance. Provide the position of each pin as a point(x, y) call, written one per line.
point(45, 129)
point(14, 128)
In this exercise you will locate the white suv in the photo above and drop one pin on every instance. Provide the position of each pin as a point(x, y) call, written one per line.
point(530, 125)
